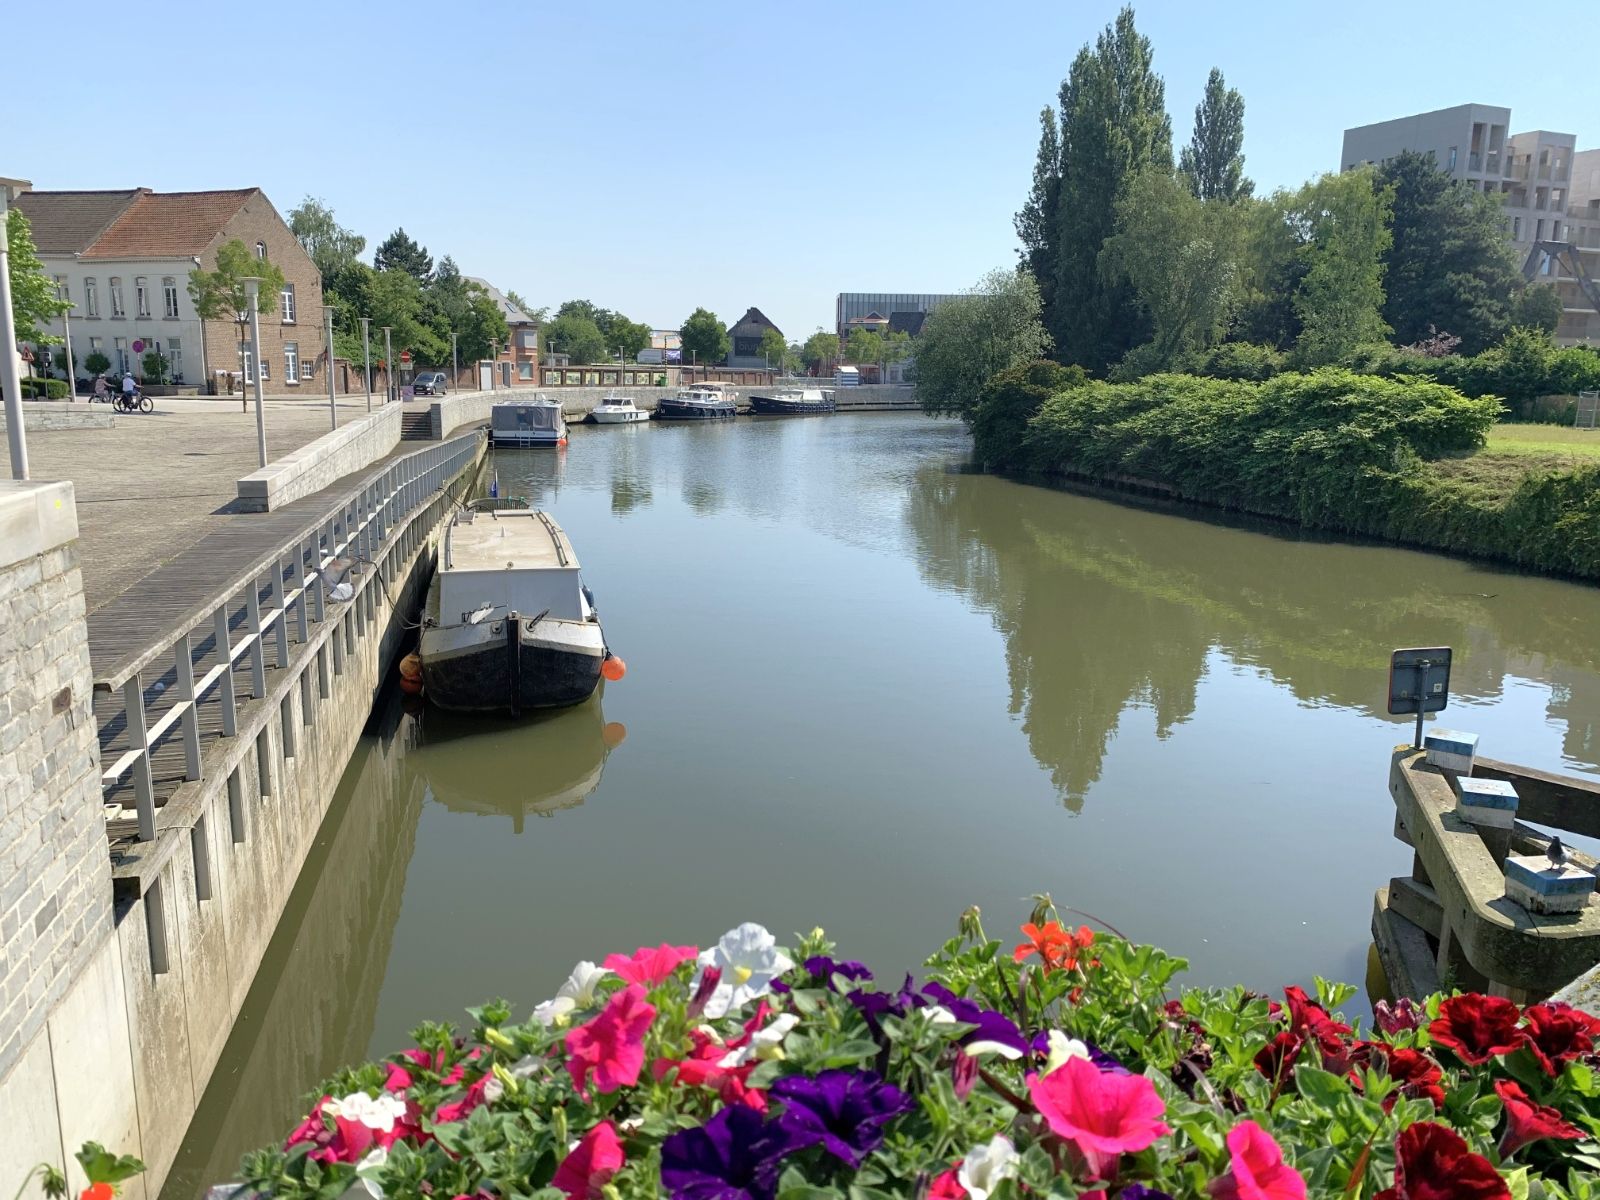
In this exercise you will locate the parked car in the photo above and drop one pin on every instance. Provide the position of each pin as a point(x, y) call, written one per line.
point(429, 383)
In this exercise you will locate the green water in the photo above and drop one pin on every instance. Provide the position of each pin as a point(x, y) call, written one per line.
point(866, 689)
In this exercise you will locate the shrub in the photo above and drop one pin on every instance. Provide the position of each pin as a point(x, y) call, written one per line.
point(1009, 401)
point(96, 363)
point(44, 389)
point(1235, 360)
point(1065, 1067)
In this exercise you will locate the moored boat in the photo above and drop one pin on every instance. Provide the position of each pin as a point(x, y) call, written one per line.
point(794, 401)
point(697, 402)
point(617, 410)
point(509, 625)
point(536, 422)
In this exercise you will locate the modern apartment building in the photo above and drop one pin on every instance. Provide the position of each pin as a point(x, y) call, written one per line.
point(1551, 191)
point(875, 310)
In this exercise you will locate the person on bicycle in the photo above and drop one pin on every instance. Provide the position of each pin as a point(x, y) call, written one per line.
point(128, 387)
point(102, 389)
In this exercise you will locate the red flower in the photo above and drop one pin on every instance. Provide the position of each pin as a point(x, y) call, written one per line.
point(1476, 1028)
point(97, 1191)
point(947, 1186)
point(1256, 1170)
point(702, 1066)
point(1558, 1032)
point(460, 1110)
point(1306, 1016)
point(1276, 1059)
point(1528, 1122)
point(1432, 1162)
point(647, 966)
point(610, 1046)
point(1058, 948)
point(1418, 1075)
point(591, 1164)
point(1100, 1112)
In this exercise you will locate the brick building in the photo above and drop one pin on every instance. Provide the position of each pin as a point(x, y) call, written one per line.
point(744, 338)
point(122, 258)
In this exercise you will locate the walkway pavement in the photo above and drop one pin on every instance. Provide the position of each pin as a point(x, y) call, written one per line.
point(155, 484)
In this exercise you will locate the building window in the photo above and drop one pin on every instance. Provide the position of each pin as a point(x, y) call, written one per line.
point(266, 369)
point(62, 293)
point(141, 296)
point(117, 311)
point(291, 362)
point(175, 359)
point(261, 250)
point(249, 362)
point(1538, 230)
point(1516, 229)
point(169, 296)
point(1452, 165)
point(91, 298)
point(308, 369)
point(119, 355)
point(286, 300)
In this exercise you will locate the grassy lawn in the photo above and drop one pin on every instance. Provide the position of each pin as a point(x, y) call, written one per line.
point(1543, 439)
point(1514, 451)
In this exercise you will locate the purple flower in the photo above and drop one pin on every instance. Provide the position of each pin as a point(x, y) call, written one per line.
point(875, 1005)
point(843, 1111)
point(821, 967)
point(994, 1031)
point(1398, 1017)
point(733, 1156)
point(1041, 1045)
point(1138, 1191)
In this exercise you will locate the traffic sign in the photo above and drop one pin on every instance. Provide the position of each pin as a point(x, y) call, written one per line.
point(405, 356)
point(138, 345)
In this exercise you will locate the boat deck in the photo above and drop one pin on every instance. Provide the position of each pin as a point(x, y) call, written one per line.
point(517, 539)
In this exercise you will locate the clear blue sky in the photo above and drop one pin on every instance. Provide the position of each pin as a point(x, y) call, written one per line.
point(656, 157)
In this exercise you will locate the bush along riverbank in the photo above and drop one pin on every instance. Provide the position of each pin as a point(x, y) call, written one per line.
point(1066, 1066)
point(1390, 458)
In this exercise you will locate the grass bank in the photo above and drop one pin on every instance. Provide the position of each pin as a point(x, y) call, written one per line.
point(1406, 460)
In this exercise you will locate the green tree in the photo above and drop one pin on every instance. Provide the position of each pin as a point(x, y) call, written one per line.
point(221, 295)
point(1343, 223)
point(864, 346)
point(576, 336)
point(897, 346)
point(1448, 266)
point(1113, 124)
point(1214, 158)
point(482, 327)
point(1180, 254)
point(967, 340)
point(1038, 224)
point(627, 336)
point(34, 298)
point(820, 350)
point(1537, 306)
point(705, 338)
point(774, 347)
point(399, 252)
point(331, 246)
point(397, 300)
point(1009, 401)
point(517, 300)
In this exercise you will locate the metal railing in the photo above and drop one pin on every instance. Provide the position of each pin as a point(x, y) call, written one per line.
point(296, 581)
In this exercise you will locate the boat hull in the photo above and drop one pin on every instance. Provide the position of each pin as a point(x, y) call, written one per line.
point(619, 418)
point(772, 406)
point(512, 664)
point(680, 410)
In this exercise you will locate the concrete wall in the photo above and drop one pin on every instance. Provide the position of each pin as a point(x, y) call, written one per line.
point(456, 411)
point(317, 465)
point(55, 874)
point(59, 414)
point(126, 1053)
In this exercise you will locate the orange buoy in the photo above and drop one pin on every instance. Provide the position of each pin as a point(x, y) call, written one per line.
point(612, 734)
point(411, 686)
point(411, 667)
point(613, 668)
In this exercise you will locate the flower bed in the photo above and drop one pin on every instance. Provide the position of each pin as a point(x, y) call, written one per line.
point(1066, 1066)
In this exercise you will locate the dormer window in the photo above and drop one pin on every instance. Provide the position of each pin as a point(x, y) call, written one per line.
point(261, 251)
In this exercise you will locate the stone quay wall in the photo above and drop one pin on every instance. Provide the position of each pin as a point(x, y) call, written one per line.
point(452, 412)
point(321, 463)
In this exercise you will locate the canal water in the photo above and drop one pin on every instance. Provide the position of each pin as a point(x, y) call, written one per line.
point(867, 688)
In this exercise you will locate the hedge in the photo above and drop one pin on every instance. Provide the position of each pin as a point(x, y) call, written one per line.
point(44, 389)
point(1332, 450)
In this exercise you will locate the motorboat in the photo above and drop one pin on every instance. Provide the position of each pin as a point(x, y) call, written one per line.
point(617, 410)
point(705, 401)
point(536, 422)
point(793, 402)
point(509, 624)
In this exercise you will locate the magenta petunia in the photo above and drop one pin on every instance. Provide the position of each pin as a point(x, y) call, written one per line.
point(592, 1163)
point(1102, 1113)
point(649, 965)
point(1256, 1170)
point(610, 1047)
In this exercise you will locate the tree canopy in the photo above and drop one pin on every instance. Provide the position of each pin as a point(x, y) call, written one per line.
point(331, 246)
point(617, 333)
point(820, 349)
point(1214, 158)
point(1341, 221)
point(705, 338)
point(34, 298)
point(578, 337)
point(399, 252)
point(1537, 306)
point(966, 340)
point(221, 294)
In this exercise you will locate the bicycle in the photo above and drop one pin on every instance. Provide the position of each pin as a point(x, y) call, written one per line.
point(133, 402)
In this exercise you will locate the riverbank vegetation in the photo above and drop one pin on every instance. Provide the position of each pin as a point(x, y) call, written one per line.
point(1063, 1063)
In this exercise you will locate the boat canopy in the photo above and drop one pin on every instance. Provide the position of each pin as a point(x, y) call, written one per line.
point(511, 561)
point(533, 415)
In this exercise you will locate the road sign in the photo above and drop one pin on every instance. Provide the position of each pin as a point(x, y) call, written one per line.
point(138, 345)
point(1419, 682)
point(405, 356)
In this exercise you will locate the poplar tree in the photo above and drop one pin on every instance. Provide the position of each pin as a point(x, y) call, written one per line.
point(1036, 223)
point(1214, 158)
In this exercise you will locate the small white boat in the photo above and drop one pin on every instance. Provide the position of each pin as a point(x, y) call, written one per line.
point(509, 624)
point(617, 410)
point(536, 422)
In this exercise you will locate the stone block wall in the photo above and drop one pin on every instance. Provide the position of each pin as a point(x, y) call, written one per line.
point(55, 875)
point(319, 464)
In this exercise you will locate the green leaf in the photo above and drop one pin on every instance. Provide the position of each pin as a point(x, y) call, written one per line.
point(1517, 1181)
point(1320, 1087)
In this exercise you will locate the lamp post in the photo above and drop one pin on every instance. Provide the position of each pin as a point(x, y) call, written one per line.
point(16, 439)
point(72, 374)
point(252, 291)
point(494, 364)
point(388, 364)
point(366, 349)
point(327, 324)
point(455, 363)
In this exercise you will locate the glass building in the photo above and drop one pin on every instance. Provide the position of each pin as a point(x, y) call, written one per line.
point(853, 309)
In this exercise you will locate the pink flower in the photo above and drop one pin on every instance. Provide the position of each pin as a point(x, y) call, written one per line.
point(1256, 1168)
point(611, 1045)
point(947, 1186)
point(591, 1164)
point(1101, 1113)
point(647, 966)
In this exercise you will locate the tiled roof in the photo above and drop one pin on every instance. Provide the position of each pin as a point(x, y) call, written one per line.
point(512, 314)
point(753, 319)
point(169, 224)
point(68, 222)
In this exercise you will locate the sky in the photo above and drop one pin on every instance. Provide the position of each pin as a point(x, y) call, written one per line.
point(654, 158)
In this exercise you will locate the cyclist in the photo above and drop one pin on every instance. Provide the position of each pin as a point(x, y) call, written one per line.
point(128, 387)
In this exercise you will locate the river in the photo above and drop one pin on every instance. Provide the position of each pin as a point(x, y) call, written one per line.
point(867, 688)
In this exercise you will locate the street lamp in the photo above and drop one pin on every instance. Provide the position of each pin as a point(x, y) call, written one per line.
point(9, 384)
point(327, 319)
point(252, 291)
point(72, 374)
point(366, 349)
point(494, 363)
point(388, 364)
point(455, 363)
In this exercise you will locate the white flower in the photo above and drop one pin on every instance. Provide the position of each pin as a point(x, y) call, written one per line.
point(366, 1187)
point(375, 1112)
point(764, 1045)
point(527, 1067)
point(493, 1089)
point(577, 992)
point(749, 960)
point(985, 1166)
point(1062, 1048)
